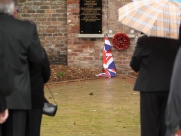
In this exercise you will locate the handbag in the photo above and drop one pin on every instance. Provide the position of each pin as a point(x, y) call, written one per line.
point(50, 109)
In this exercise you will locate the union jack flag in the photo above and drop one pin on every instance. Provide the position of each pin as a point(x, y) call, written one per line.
point(108, 62)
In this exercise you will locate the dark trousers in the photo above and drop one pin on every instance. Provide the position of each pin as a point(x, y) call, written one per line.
point(16, 124)
point(152, 109)
point(0, 130)
point(35, 117)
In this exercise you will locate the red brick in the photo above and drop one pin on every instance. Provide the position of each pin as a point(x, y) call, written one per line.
point(58, 27)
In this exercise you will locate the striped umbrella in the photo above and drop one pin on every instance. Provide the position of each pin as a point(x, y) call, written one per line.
point(160, 18)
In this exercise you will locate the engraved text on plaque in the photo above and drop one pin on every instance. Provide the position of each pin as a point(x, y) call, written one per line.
point(90, 16)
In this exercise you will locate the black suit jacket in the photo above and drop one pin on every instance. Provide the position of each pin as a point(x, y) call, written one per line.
point(21, 45)
point(6, 81)
point(39, 74)
point(153, 58)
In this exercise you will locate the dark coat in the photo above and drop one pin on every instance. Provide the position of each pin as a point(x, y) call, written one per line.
point(39, 74)
point(21, 45)
point(173, 110)
point(6, 81)
point(153, 58)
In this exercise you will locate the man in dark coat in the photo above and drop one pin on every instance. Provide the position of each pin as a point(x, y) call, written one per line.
point(39, 75)
point(21, 45)
point(6, 86)
point(173, 110)
point(153, 58)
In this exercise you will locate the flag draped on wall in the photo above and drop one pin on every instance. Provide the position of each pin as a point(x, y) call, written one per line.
point(108, 62)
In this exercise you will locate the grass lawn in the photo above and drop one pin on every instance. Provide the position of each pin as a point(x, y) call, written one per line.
point(101, 107)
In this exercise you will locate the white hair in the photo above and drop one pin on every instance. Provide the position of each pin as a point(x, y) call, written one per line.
point(7, 6)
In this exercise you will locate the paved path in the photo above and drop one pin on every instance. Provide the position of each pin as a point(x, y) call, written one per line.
point(101, 107)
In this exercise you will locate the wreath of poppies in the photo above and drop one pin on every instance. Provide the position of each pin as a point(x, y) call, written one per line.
point(121, 41)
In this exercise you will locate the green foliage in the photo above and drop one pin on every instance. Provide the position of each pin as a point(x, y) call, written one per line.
point(60, 74)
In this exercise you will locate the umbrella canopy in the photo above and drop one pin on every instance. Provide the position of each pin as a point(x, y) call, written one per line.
point(160, 18)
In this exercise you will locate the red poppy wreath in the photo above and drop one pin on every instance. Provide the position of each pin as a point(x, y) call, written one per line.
point(121, 41)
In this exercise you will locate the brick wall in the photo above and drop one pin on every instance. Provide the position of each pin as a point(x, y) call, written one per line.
point(51, 19)
point(88, 52)
point(58, 26)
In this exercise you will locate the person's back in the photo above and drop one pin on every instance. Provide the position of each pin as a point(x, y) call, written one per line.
point(153, 58)
point(39, 75)
point(6, 87)
point(173, 110)
point(156, 64)
point(20, 43)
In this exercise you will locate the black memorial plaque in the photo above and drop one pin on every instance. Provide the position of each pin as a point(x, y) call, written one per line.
point(90, 16)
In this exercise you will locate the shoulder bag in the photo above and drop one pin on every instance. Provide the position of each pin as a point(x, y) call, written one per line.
point(50, 109)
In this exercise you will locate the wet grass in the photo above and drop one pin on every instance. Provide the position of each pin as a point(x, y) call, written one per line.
point(102, 107)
